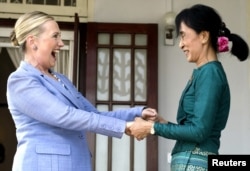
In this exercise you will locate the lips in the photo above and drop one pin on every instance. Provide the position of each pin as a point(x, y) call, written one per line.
point(185, 52)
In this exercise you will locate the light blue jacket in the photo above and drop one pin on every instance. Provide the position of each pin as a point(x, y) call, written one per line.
point(51, 122)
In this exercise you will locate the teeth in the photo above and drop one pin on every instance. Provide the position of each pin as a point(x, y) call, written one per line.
point(56, 51)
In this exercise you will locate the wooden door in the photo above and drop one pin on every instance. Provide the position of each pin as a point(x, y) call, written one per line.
point(121, 72)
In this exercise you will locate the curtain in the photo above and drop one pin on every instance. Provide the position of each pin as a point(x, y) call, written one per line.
point(15, 55)
point(64, 64)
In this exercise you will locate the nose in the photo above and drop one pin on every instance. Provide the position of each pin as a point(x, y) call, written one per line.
point(60, 43)
point(181, 45)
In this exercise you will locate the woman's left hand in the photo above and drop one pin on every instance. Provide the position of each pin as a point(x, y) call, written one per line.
point(149, 114)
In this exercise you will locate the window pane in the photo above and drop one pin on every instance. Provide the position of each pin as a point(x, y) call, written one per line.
point(16, 1)
point(70, 3)
point(36, 2)
point(141, 39)
point(44, 2)
point(101, 147)
point(121, 149)
point(122, 75)
point(103, 74)
point(140, 160)
point(122, 39)
point(103, 39)
point(140, 75)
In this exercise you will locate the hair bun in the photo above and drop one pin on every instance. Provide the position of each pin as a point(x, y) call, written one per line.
point(13, 38)
point(224, 31)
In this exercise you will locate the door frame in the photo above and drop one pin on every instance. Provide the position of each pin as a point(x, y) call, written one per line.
point(93, 28)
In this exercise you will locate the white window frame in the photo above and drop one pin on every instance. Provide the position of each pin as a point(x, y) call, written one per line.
point(61, 13)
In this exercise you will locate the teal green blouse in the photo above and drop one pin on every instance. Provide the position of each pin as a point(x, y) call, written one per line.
point(202, 113)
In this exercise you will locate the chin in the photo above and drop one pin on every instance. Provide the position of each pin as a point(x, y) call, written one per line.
point(52, 65)
point(189, 59)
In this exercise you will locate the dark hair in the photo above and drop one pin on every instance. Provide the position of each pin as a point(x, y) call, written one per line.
point(204, 18)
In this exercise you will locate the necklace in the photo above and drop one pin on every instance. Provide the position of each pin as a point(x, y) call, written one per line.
point(59, 80)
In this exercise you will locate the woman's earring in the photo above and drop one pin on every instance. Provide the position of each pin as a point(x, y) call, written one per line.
point(34, 47)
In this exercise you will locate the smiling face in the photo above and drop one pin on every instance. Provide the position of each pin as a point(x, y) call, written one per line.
point(195, 45)
point(45, 46)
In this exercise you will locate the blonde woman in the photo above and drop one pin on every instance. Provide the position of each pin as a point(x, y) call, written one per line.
point(50, 115)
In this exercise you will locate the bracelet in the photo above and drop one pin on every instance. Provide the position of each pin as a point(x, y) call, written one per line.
point(152, 130)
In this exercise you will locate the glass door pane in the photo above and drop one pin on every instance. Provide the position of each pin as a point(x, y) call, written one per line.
point(124, 68)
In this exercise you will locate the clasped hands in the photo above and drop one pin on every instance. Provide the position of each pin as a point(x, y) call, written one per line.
point(141, 126)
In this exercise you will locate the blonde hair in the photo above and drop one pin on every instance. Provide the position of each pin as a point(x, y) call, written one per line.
point(28, 24)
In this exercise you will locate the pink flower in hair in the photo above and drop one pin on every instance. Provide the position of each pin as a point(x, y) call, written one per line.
point(223, 44)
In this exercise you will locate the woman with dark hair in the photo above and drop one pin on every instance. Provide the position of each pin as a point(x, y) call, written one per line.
point(202, 18)
point(205, 102)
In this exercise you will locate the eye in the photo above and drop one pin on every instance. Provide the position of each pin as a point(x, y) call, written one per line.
point(57, 36)
point(182, 36)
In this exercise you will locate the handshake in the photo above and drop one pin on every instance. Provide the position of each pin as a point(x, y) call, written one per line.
point(143, 126)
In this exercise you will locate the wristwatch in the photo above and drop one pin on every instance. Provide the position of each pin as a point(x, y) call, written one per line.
point(152, 130)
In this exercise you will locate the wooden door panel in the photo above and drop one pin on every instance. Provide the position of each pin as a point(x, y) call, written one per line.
point(128, 52)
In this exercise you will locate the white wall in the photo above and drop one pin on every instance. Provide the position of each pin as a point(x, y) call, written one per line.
point(174, 70)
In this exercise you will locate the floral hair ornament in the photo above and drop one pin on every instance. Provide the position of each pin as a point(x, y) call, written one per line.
point(223, 44)
point(223, 41)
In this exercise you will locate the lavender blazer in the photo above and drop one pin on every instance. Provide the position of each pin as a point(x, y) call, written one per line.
point(51, 122)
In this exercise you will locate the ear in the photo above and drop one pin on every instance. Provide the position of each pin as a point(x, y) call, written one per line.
point(204, 36)
point(30, 41)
